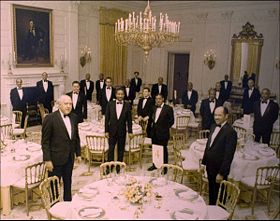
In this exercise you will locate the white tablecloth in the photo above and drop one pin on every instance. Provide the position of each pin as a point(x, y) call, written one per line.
point(180, 111)
point(245, 161)
point(93, 111)
point(110, 197)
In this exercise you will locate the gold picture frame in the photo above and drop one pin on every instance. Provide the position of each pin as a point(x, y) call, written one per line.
point(33, 36)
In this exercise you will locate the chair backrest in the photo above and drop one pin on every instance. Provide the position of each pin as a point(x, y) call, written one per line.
point(182, 122)
point(136, 141)
point(178, 156)
point(17, 117)
point(112, 168)
point(50, 192)
point(264, 175)
point(179, 141)
point(35, 173)
point(5, 131)
point(275, 140)
point(241, 132)
point(227, 197)
point(96, 143)
point(203, 134)
point(174, 172)
point(43, 111)
point(25, 123)
point(144, 125)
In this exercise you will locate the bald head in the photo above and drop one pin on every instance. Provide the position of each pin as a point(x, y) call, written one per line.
point(65, 104)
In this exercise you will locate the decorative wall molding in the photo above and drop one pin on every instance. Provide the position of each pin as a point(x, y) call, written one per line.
point(227, 15)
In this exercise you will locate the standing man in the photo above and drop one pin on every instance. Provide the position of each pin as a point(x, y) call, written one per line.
point(250, 96)
point(99, 84)
point(159, 88)
point(45, 92)
point(130, 93)
point(61, 143)
point(18, 99)
point(107, 94)
point(219, 152)
point(190, 98)
point(265, 114)
point(145, 108)
point(207, 108)
point(220, 94)
point(226, 86)
point(245, 79)
point(136, 82)
point(161, 121)
point(79, 101)
point(117, 122)
point(87, 87)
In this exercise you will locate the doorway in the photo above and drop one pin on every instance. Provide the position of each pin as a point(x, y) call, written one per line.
point(178, 75)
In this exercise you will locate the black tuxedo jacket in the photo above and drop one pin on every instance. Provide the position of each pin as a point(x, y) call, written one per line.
point(222, 97)
point(115, 126)
point(155, 91)
point(205, 112)
point(45, 97)
point(17, 103)
point(87, 92)
point(219, 155)
point(103, 99)
point(99, 89)
point(81, 106)
point(224, 90)
point(56, 143)
point(133, 84)
point(192, 101)
point(148, 108)
point(248, 103)
point(265, 122)
point(160, 129)
point(131, 96)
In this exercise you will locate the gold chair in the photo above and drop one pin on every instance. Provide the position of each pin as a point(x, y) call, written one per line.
point(259, 183)
point(51, 199)
point(144, 125)
point(226, 202)
point(275, 141)
point(274, 188)
point(241, 132)
point(6, 132)
point(111, 167)
point(181, 124)
point(203, 180)
point(174, 172)
point(17, 118)
point(43, 111)
point(179, 141)
point(20, 132)
point(203, 134)
point(135, 145)
point(97, 146)
point(34, 175)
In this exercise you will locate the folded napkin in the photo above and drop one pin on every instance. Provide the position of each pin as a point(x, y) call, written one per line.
point(90, 212)
point(185, 215)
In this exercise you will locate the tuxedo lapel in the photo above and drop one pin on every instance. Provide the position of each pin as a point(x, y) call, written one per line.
point(218, 135)
point(61, 122)
point(268, 108)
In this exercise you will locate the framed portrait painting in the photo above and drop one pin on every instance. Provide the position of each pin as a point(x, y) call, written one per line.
point(33, 36)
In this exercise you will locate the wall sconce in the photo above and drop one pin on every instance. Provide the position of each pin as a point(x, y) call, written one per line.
point(85, 56)
point(210, 58)
point(277, 65)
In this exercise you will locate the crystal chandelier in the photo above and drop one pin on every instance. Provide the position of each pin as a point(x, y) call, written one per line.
point(143, 30)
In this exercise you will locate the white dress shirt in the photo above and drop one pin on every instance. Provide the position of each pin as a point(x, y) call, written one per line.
point(101, 83)
point(119, 108)
point(250, 91)
point(144, 102)
point(263, 107)
point(108, 93)
point(212, 105)
point(45, 85)
point(67, 124)
point(159, 89)
point(215, 133)
point(127, 91)
point(20, 92)
point(74, 99)
point(217, 94)
point(226, 83)
point(87, 84)
point(136, 81)
point(189, 94)
point(158, 112)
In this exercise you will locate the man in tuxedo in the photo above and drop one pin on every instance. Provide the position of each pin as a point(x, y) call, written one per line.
point(207, 108)
point(107, 94)
point(226, 86)
point(219, 152)
point(117, 122)
point(130, 92)
point(18, 99)
point(265, 114)
point(99, 84)
point(250, 96)
point(220, 94)
point(161, 121)
point(245, 79)
point(145, 108)
point(159, 88)
point(61, 143)
point(87, 87)
point(136, 82)
point(45, 92)
point(79, 101)
point(190, 98)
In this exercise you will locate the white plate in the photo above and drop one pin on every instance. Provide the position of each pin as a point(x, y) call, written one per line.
point(186, 195)
point(184, 214)
point(21, 157)
point(91, 212)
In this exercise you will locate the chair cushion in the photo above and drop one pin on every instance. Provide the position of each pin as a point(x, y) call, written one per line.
point(189, 165)
point(216, 213)
point(61, 210)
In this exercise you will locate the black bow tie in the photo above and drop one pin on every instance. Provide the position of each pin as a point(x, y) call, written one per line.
point(264, 102)
point(101, 80)
point(159, 106)
point(65, 115)
point(218, 125)
point(19, 88)
point(211, 101)
point(45, 80)
point(108, 88)
point(75, 92)
point(120, 102)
